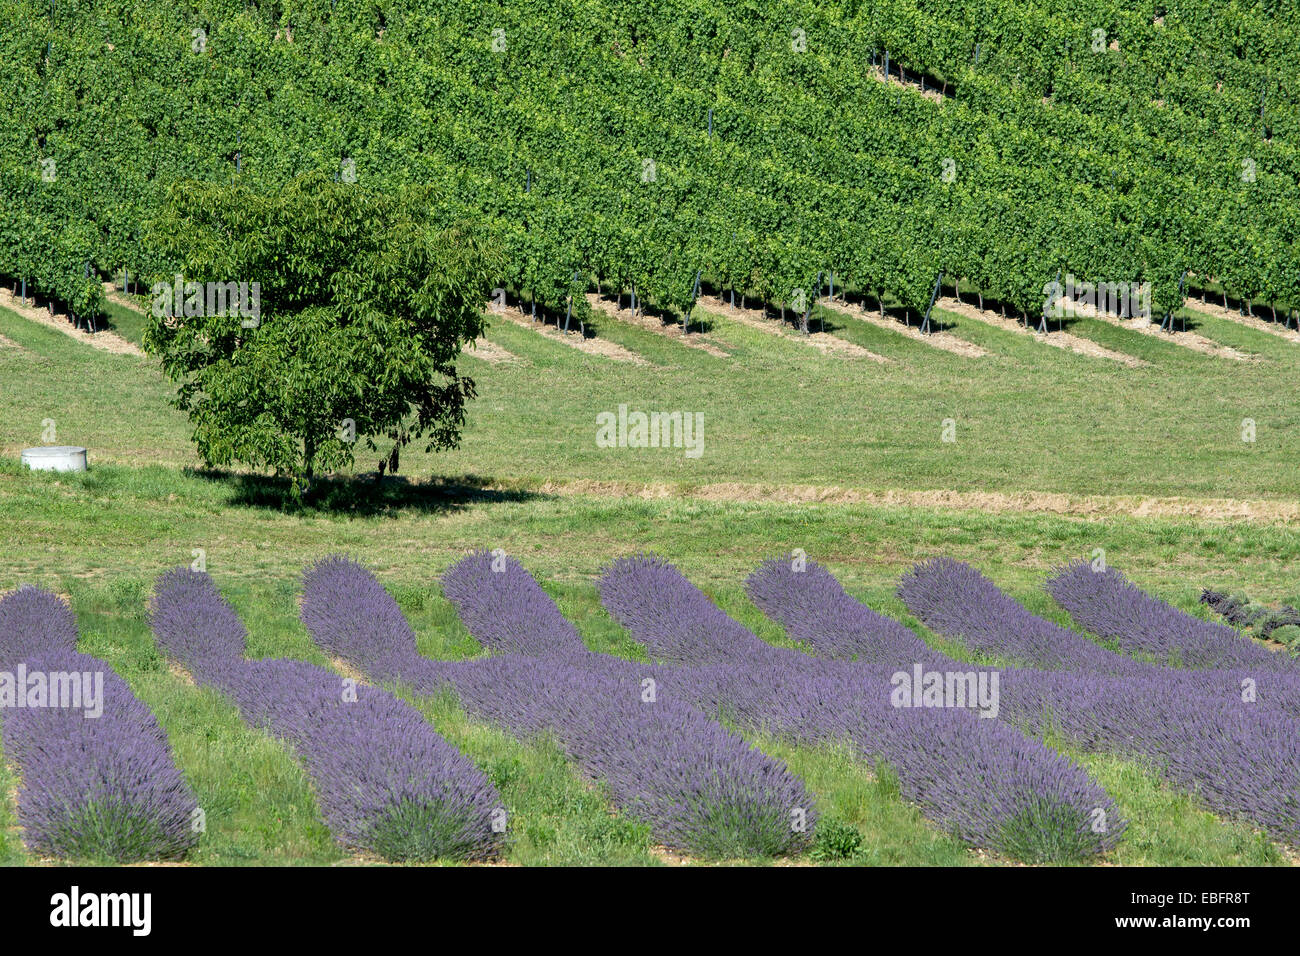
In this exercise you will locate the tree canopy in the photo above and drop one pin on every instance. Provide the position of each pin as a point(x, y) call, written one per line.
point(361, 301)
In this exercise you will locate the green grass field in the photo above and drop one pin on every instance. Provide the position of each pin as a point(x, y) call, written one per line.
point(784, 425)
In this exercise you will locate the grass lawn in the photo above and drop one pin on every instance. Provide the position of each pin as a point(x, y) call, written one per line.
point(529, 478)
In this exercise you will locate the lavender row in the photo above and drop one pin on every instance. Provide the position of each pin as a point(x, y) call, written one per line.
point(1108, 604)
point(97, 779)
point(504, 608)
point(699, 787)
point(384, 780)
point(979, 779)
point(954, 599)
point(1199, 731)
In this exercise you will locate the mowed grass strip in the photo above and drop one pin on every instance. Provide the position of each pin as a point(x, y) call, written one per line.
point(1024, 418)
point(116, 520)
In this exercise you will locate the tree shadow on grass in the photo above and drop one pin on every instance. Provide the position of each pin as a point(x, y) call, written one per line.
point(362, 495)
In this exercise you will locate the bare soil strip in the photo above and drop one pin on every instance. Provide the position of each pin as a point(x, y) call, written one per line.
point(10, 344)
point(493, 353)
point(60, 322)
point(939, 340)
point(1080, 506)
point(601, 348)
point(824, 342)
point(695, 340)
point(180, 673)
point(1188, 340)
point(929, 92)
point(1061, 340)
point(131, 302)
point(1250, 321)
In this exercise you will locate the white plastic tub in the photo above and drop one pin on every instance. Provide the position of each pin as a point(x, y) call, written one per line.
point(55, 458)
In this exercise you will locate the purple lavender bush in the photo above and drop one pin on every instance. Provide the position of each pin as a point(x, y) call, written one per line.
point(813, 608)
point(952, 598)
point(385, 781)
point(1108, 604)
point(505, 608)
point(92, 785)
point(976, 778)
point(700, 788)
point(956, 600)
point(1238, 756)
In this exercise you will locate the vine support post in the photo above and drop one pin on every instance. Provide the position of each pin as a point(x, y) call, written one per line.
point(817, 294)
point(24, 292)
point(695, 294)
point(1182, 298)
point(90, 316)
point(1042, 322)
point(568, 312)
point(934, 294)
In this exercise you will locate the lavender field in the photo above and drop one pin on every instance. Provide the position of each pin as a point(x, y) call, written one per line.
point(994, 730)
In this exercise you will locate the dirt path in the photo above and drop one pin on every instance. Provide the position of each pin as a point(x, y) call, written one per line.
point(824, 342)
point(695, 340)
point(1061, 340)
point(10, 344)
point(131, 302)
point(929, 92)
point(492, 353)
point(602, 348)
point(1188, 340)
point(60, 322)
point(939, 340)
point(1251, 322)
point(1081, 506)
